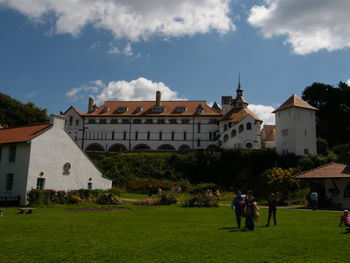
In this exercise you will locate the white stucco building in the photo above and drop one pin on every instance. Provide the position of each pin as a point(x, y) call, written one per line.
point(163, 125)
point(296, 127)
point(44, 157)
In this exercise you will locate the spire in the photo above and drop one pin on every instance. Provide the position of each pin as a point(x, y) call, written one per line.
point(239, 89)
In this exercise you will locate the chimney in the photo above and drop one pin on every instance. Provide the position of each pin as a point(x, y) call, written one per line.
point(57, 121)
point(158, 98)
point(91, 105)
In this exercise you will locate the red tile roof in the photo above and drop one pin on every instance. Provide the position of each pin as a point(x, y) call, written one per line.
point(238, 114)
point(331, 170)
point(295, 101)
point(109, 108)
point(22, 134)
point(268, 133)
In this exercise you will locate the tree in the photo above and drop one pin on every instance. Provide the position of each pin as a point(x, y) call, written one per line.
point(333, 116)
point(14, 113)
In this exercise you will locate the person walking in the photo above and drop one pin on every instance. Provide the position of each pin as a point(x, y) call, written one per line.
point(250, 204)
point(314, 199)
point(272, 203)
point(238, 205)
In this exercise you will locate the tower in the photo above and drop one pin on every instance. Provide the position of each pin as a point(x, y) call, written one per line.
point(295, 127)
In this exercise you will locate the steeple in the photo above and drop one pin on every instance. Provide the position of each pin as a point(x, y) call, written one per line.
point(239, 89)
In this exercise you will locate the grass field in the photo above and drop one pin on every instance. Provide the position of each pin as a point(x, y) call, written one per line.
point(169, 234)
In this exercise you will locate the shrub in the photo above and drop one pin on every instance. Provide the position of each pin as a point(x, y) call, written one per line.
point(35, 197)
point(167, 199)
point(74, 199)
point(148, 201)
point(61, 197)
point(50, 197)
point(201, 188)
point(107, 199)
point(201, 200)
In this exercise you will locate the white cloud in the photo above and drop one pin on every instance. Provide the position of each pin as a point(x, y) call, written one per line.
point(263, 112)
point(126, 51)
point(132, 19)
point(310, 25)
point(140, 89)
point(348, 82)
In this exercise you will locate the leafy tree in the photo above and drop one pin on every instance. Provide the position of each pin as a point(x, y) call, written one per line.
point(333, 116)
point(14, 113)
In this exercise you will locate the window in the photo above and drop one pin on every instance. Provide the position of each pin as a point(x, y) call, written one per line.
point(233, 133)
point(173, 121)
point(305, 132)
point(199, 111)
point(70, 121)
point(91, 121)
point(347, 191)
point(103, 121)
point(9, 182)
point(241, 128)
point(148, 135)
point(180, 109)
point(0, 152)
point(125, 121)
point(306, 151)
point(40, 183)
point(114, 121)
point(124, 135)
point(161, 121)
point(89, 185)
point(225, 138)
point(198, 142)
point(160, 136)
point(158, 109)
point(137, 121)
point(225, 127)
point(210, 136)
point(113, 134)
point(199, 128)
point(12, 155)
point(185, 136)
point(136, 135)
point(249, 145)
point(149, 121)
point(249, 126)
point(185, 121)
point(121, 109)
point(138, 109)
point(284, 132)
point(76, 122)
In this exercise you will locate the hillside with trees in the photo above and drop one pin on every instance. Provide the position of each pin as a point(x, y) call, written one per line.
point(15, 113)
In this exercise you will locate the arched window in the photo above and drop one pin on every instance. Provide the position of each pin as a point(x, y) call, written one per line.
point(225, 138)
point(347, 191)
point(95, 147)
point(241, 128)
point(249, 126)
point(233, 133)
point(70, 121)
point(249, 145)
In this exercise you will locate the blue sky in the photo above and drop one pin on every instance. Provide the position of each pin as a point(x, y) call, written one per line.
point(58, 53)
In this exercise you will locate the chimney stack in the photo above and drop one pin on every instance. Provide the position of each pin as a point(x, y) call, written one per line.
point(158, 98)
point(91, 105)
point(57, 120)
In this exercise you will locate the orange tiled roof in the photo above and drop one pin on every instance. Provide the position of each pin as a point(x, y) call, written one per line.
point(22, 134)
point(295, 101)
point(332, 170)
point(75, 109)
point(240, 99)
point(238, 114)
point(269, 133)
point(144, 108)
point(216, 107)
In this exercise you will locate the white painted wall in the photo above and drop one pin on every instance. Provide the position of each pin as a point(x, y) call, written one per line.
point(242, 138)
point(19, 168)
point(49, 153)
point(300, 125)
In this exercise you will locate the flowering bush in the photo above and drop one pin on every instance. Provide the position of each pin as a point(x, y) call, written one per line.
point(74, 199)
point(148, 201)
point(107, 199)
point(201, 200)
point(167, 199)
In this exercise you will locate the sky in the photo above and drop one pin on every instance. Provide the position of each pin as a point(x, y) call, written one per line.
point(57, 54)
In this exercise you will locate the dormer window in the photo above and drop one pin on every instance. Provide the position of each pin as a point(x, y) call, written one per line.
point(121, 109)
point(158, 109)
point(199, 111)
point(105, 109)
point(138, 109)
point(180, 109)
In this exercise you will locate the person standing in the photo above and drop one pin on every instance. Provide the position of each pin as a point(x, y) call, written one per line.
point(314, 199)
point(272, 203)
point(250, 204)
point(238, 205)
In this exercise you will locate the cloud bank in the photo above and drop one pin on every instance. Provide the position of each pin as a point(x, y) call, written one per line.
point(310, 25)
point(136, 90)
point(263, 112)
point(133, 19)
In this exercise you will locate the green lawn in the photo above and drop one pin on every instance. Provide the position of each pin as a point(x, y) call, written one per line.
point(169, 234)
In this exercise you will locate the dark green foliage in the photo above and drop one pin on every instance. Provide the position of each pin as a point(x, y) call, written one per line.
point(333, 116)
point(14, 113)
point(201, 200)
point(35, 197)
point(107, 199)
point(142, 185)
point(167, 198)
point(201, 188)
point(322, 146)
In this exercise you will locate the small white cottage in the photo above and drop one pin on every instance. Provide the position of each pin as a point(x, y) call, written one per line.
point(336, 180)
point(44, 157)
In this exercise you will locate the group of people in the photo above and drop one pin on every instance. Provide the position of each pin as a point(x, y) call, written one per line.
point(246, 206)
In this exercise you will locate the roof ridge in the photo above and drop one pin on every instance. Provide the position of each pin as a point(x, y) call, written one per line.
point(316, 168)
point(24, 126)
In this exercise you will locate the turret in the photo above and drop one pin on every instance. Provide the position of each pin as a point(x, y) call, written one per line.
point(158, 98)
point(91, 105)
